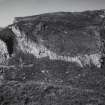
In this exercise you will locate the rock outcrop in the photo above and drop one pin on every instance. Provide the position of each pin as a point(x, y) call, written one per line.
point(53, 59)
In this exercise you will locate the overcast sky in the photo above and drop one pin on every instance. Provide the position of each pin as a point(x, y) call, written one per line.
point(15, 8)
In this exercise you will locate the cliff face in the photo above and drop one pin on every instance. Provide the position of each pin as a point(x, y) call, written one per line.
point(57, 53)
point(71, 37)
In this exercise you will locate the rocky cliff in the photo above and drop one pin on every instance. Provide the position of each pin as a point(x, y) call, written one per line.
point(53, 59)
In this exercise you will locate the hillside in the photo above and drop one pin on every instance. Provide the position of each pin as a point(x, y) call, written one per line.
point(54, 59)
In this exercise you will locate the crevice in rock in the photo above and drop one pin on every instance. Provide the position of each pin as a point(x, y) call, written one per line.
point(7, 36)
point(9, 44)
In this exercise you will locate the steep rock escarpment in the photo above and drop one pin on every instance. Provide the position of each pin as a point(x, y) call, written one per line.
point(54, 59)
point(71, 37)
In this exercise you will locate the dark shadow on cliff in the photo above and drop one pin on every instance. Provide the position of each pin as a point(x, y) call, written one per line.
point(8, 37)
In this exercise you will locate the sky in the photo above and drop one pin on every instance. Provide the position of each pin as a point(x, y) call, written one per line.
point(18, 8)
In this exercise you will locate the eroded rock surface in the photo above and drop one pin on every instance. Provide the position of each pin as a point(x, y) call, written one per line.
point(54, 59)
